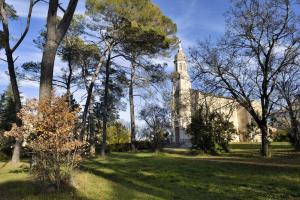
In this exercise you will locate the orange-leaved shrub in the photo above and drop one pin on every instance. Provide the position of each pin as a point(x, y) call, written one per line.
point(48, 130)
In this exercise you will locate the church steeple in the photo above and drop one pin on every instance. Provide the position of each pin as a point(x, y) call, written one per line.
point(181, 110)
point(180, 56)
point(180, 63)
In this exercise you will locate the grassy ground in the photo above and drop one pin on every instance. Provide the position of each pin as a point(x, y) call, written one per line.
point(174, 174)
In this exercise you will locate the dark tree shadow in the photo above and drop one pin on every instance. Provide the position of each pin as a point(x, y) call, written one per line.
point(168, 177)
point(21, 169)
point(17, 190)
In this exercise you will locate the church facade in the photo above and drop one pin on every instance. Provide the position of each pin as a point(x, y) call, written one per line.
point(185, 100)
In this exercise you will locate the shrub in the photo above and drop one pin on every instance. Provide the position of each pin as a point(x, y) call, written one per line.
point(5, 144)
point(126, 147)
point(145, 145)
point(210, 131)
point(49, 132)
point(252, 131)
point(281, 136)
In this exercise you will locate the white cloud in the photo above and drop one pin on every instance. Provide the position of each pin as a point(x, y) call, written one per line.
point(58, 66)
point(27, 56)
point(4, 79)
point(21, 6)
point(29, 84)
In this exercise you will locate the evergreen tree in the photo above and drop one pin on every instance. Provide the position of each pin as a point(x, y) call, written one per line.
point(210, 131)
point(143, 30)
point(110, 99)
point(7, 118)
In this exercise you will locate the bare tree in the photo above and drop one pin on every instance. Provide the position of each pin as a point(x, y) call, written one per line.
point(288, 87)
point(157, 121)
point(142, 75)
point(260, 42)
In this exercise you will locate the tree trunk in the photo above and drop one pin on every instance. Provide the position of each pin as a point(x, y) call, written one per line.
point(16, 152)
point(264, 139)
point(92, 128)
point(12, 76)
point(17, 99)
point(105, 116)
point(47, 69)
point(131, 102)
point(49, 52)
point(85, 110)
point(90, 89)
point(295, 132)
point(104, 138)
point(156, 139)
point(13, 81)
point(55, 34)
point(68, 83)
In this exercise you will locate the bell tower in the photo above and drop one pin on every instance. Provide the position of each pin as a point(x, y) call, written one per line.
point(181, 109)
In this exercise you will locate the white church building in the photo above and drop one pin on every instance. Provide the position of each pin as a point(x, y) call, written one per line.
point(185, 100)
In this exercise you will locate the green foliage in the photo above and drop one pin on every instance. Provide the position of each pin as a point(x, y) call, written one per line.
point(139, 25)
point(116, 84)
point(117, 133)
point(11, 14)
point(7, 118)
point(10, 11)
point(210, 131)
point(7, 110)
point(70, 47)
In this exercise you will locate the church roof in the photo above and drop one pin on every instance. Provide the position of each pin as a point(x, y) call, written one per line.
point(193, 91)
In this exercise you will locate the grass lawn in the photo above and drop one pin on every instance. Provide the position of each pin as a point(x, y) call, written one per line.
point(174, 174)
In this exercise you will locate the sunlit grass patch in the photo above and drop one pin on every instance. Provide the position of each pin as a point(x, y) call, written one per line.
point(241, 174)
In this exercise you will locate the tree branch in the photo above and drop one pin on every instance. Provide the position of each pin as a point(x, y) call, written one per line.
point(66, 20)
point(27, 26)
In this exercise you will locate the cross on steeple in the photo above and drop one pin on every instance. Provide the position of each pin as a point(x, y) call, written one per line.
point(180, 56)
point(179, 44)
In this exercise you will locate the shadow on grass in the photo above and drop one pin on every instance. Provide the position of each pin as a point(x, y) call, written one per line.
point(165, 177)
point(184, 152)
point(30, 190)
point(249, 146)
point(3, 161)
point(21, 169)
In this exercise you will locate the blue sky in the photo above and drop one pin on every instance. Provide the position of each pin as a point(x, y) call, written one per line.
point(195, 19)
